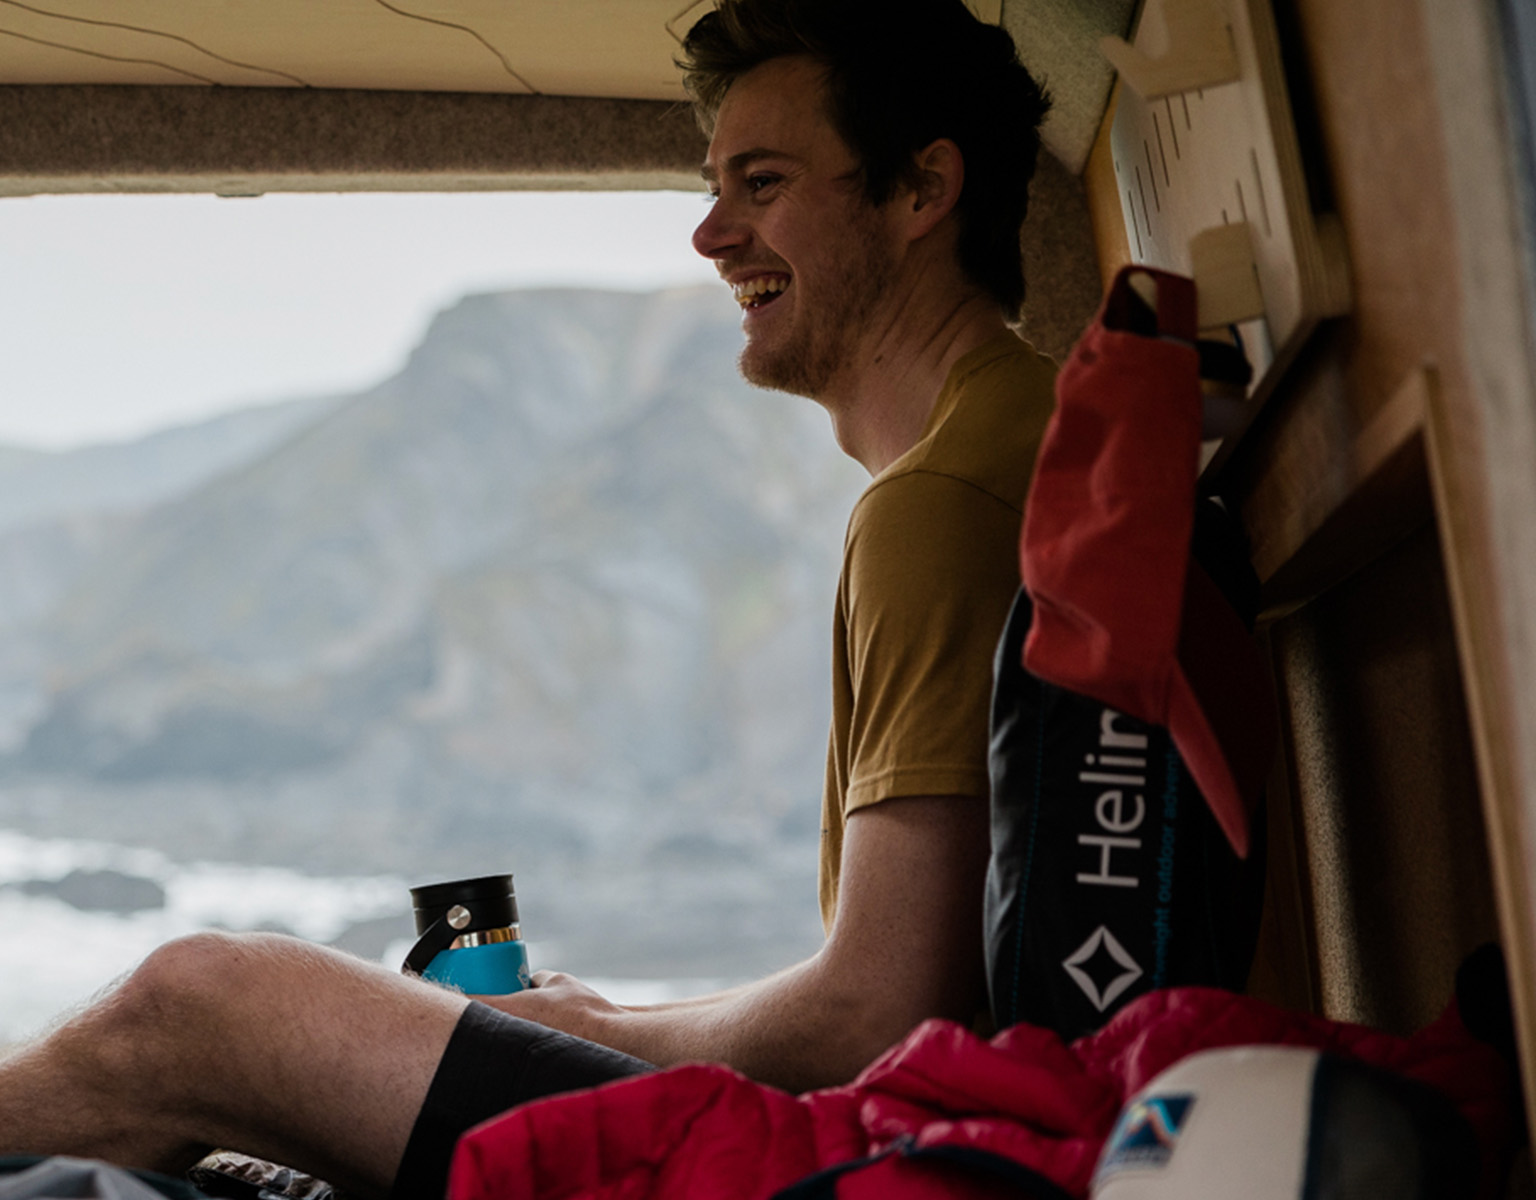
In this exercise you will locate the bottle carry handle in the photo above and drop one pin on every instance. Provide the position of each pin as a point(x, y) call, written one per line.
point(438, 937)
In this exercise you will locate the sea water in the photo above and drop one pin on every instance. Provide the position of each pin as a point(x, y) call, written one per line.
point(54, 957)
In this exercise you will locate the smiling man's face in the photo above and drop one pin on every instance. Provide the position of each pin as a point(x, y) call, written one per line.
point(807, 258)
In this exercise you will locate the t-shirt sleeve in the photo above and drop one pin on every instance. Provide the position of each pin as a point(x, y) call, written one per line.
point(930, 571)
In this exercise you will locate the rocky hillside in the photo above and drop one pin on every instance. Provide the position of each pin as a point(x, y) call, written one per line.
point(555, 599)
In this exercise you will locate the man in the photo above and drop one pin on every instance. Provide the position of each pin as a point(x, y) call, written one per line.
point(869, 164)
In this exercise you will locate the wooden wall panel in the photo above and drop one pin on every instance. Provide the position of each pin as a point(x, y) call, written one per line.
point(1330, 481)
point(1372, 493)
point(1382, 163)
point(1417, 161)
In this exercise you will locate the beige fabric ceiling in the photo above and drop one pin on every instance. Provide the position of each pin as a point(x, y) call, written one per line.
point(568, 47)
point(590, 48)
point(618, 48)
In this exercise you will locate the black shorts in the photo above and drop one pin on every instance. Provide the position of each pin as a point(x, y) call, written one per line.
point(495, 1062)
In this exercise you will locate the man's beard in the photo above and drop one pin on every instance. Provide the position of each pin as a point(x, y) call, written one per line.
point(822, 342)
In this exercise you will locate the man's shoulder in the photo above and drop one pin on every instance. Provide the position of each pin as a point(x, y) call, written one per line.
point(986, 430)
point(1007, 362)
point(922, 532)
point(930, 492)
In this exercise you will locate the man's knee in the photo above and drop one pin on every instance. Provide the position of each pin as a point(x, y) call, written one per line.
point(193, 990)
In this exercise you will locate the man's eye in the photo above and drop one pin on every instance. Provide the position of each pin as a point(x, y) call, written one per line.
point(756, 183)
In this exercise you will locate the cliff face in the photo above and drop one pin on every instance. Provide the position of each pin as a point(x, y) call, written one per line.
point(555, 599)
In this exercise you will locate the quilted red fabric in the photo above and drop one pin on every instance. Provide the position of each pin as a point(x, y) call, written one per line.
point(705, 1132)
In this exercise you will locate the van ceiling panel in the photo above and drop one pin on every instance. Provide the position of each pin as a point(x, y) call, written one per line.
point(555, 47)
point(615, 49)
point(244, 141)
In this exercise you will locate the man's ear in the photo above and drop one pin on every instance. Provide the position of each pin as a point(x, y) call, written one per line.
point(938, 174)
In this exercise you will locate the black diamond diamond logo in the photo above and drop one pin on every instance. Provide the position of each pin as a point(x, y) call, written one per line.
point(1102, 957)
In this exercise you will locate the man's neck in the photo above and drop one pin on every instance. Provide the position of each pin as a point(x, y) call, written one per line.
point(881, 404)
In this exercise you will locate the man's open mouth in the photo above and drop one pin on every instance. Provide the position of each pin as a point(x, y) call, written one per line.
point(755, 293)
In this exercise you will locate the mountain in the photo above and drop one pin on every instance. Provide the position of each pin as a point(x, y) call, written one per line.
point(57, 508)
point(555, 599)
point(41, 485)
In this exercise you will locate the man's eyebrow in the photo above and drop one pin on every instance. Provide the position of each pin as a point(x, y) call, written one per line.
point(740, 161)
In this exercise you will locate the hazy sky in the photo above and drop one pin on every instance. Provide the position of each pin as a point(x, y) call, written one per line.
point(122, 314)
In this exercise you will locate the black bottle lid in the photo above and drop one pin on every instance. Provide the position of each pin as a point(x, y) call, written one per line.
point(484, 903)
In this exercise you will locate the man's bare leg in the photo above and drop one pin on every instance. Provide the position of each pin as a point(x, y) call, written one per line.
point(257, 1043)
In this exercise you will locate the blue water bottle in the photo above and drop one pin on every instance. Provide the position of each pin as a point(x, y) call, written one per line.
point(468, 937)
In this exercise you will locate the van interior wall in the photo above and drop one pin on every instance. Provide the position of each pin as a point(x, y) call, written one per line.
point(1061, 275)
point(1381, 877)
point(1394, 861)
point(1383, 789)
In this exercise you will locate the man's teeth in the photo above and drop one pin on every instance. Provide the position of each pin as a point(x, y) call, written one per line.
point(749, 294)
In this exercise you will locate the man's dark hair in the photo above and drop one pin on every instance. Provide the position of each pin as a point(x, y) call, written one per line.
point(900, 74)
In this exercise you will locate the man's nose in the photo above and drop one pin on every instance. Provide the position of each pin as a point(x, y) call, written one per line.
point(718, 233)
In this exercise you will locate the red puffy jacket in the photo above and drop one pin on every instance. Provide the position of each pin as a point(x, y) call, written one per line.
point(705, 1132)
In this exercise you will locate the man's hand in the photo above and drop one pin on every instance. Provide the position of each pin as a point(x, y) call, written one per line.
point(561, 1002)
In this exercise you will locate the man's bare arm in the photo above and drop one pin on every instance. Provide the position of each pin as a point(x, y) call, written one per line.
point(906, 944)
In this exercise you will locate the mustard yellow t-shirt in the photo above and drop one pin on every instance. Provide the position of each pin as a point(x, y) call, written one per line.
point(930, 568)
